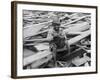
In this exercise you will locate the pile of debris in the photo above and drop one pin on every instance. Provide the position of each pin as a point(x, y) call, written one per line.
point(37, 53)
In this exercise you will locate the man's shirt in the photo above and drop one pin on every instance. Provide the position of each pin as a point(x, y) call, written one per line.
point(52, 33)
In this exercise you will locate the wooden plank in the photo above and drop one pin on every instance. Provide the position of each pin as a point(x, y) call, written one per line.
point(76, 20)
point(39, 55)
point(33, 29)
point(28, 53)
point(40, 62)
point(78, 38)
point(78, 27)
point(74, 33)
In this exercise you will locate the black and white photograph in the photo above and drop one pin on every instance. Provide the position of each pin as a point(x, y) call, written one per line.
point(54, 39)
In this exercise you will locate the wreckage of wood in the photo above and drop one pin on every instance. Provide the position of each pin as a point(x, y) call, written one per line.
point(41, 55)
point(33, 29)
point(75, 39)
point(76, 20)
point(72, 30)
point(35, 57)
point(78, 38)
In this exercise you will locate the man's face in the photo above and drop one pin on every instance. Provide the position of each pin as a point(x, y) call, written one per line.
point(56, 28)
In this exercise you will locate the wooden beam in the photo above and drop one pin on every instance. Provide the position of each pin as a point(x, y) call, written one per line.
point(40, 62)
point(74, 33)
point(76, 20)
point(37, 56)
point(79, 27)
point(78, 38)
point(33, 29)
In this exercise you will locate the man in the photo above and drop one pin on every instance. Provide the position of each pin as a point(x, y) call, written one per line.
point(57, 37)
point(56, 33)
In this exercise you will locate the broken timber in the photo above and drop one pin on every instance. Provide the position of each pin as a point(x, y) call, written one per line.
point(35, 57)
point(41, 55)
point(75, 29)
point(33, 29)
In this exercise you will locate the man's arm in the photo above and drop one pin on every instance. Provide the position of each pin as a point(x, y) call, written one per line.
point(50, 36)
point(64, 34)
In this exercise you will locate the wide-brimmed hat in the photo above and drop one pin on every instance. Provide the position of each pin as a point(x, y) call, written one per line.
point(55, 20)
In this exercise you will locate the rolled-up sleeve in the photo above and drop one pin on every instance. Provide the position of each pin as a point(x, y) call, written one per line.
point(64, 34)
point(50, 32)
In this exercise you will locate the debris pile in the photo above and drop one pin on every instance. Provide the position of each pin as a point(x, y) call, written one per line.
point(38, 53)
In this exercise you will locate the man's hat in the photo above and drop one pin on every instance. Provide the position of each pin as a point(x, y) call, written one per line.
point(54, 18)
